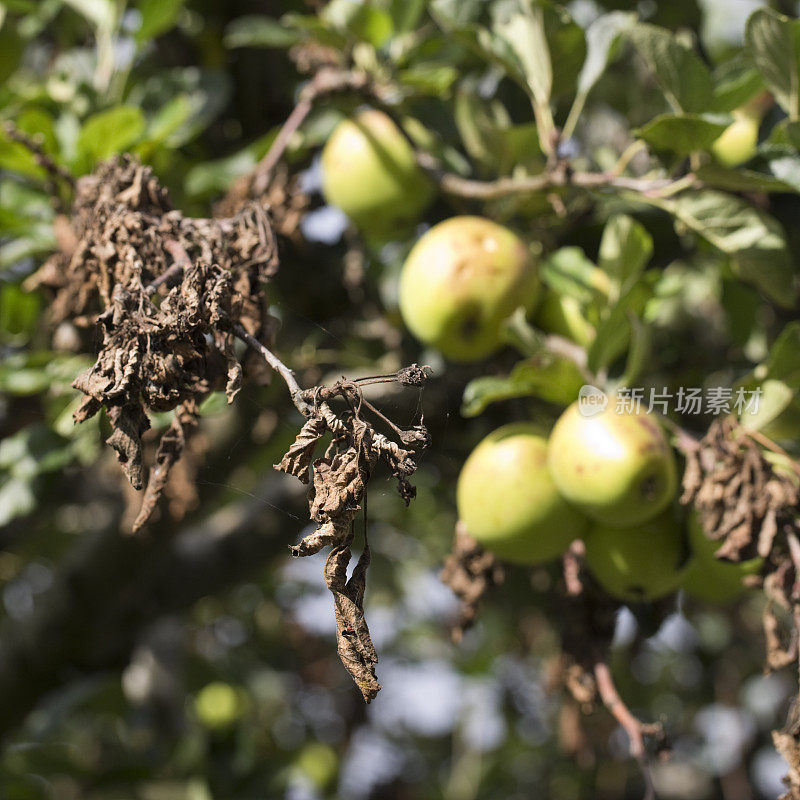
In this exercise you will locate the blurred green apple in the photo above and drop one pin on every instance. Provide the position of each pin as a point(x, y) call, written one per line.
point(461, 280)
point(640, 563)
point(369, 172)
point(618, 468)
point(738, 142)
point(709, 579)
point(508, 502)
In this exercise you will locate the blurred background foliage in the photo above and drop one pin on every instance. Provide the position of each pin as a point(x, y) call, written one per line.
point(225, 683)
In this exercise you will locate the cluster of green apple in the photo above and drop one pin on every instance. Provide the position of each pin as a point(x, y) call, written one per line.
point(608, 479)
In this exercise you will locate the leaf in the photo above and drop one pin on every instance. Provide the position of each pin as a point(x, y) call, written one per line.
point(601, 36)
point(680, 133)
point(740, 180)
point(735, 82)
point(620, 328)
point(453, 14)
point(550, 377)
point(773, 42)
point(429, 78)
point(569, 272)
point(783, 363)
point(109, 132)
point(158, 16)
point(16, 498)
point(259, 30)
point(682, 75)
point(19, 311)
point(525, 36)
point(363, 20)
point(625, 248)
point(11, 47)
point(755, 241)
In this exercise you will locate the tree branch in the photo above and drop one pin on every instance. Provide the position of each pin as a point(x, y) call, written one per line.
point(632, 726)
point(296, 393)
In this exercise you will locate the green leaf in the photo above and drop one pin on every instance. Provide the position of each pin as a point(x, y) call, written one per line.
point(783, 363)
point(601, 36)
point(550, 377)
point(625, 249)
point(454, 14)
point(158, 16)
point(524, 34)
point(11, 47)
point(16, 498)
point(735, 82)
point(786, 133)
point(19, 311)
point(429, 78)
point(680, 133)
point(569, 272)
point(740, 180)
point(773, 42)
point(364, 20)
point(619, 328)
point(109, 132)
point(259, 30)
point(682, 75)
point(755, 241)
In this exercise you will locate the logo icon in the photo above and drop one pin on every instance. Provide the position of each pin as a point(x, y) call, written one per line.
point(591, 400)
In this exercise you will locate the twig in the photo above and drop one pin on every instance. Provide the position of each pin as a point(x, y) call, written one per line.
point(181, 261)
point(767, 443)
point(296, 393)
point(325, 82)
point(630, 724)
point(42, 159)
point(572, 568)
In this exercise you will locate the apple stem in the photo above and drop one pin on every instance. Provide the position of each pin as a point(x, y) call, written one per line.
point(572, 566)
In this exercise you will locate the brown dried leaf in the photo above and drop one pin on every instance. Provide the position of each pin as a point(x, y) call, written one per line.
point(355, 647)
point(299, 456)
point(170, 449)
point(471, 572)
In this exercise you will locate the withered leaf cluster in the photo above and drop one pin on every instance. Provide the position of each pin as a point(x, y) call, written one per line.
point(337, 492)
point(166, 291)
point(471, 572)
point(751, 505)
point(743, 500)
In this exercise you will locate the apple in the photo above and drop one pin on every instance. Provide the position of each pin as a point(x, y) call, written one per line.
point(508, 502)
point(640, 563)
point(461, 280)
point(738, 142)
point(618, 468)
point(369, 172)
point(563, 315)
point(709, 579)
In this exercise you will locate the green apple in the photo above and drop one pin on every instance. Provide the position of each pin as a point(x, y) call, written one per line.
point(461, 280)
point(640, 563)
point(369, 172)
point(618, 468)
point(738, 142)
point(508, 502)
point(563, 315)
point(709, 579)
